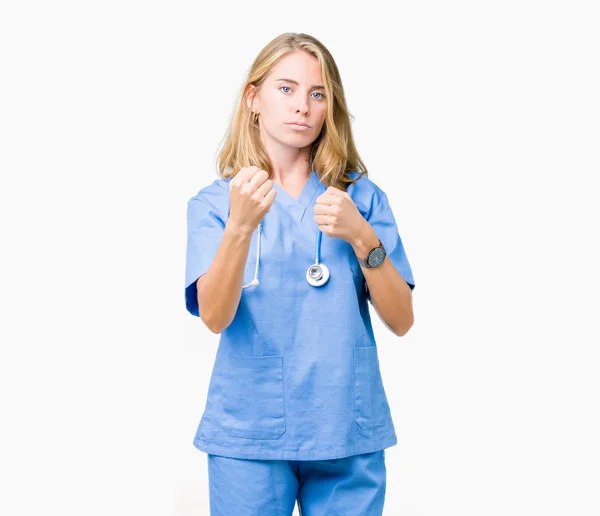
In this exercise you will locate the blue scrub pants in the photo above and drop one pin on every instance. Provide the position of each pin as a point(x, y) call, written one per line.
point(350, 486)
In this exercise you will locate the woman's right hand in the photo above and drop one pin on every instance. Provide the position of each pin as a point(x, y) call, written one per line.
point(251, 195)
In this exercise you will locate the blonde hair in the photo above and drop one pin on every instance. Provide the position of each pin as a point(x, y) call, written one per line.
point(333, 153)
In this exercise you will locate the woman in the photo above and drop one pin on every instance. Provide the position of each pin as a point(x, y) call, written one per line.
point(284, 252)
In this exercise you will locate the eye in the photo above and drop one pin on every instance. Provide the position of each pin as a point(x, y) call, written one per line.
point(317, 92)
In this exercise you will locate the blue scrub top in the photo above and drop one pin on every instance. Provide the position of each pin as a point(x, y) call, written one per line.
point(296, 373)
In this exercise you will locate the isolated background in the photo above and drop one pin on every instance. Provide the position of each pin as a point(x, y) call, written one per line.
point(480, 120)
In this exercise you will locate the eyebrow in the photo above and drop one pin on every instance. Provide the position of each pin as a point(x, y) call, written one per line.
point(315, 87)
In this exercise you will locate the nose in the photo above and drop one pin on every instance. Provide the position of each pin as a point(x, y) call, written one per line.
point(302, 105)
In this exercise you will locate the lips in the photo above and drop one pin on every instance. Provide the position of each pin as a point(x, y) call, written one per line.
point(301, 124)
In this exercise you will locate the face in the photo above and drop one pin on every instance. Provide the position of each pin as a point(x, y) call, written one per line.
point(292, 93)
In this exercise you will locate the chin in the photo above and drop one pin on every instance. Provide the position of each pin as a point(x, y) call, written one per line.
point(298, 141)
point(300, 144)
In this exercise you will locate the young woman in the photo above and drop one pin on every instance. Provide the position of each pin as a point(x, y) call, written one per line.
point(284, 252)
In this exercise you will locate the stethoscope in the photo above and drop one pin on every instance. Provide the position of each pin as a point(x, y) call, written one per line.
point(316, 275)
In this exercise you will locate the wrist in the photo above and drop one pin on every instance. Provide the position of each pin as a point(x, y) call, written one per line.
point(365, 240)
point(236, 231)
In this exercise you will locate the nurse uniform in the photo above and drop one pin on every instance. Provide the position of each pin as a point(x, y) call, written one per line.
point(296, 375)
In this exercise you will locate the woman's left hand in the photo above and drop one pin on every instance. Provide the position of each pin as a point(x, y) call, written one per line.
point(337, 215)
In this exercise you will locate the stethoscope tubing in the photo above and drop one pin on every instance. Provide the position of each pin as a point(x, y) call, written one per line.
point(316, 275)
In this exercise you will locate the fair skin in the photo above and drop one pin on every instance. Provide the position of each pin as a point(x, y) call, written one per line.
point(279, 102)
point(300, 99)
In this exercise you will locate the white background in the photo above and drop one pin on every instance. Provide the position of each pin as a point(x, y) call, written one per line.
point(480, 120)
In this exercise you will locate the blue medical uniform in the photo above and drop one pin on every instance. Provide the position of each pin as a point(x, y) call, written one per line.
point(350, 486)
point(296, 375)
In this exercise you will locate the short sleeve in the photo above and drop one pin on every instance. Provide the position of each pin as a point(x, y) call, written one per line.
point(205, 228)
point(383, 222)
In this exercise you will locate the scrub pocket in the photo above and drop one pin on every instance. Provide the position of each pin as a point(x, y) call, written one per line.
point(370, 403)
point(252, 396)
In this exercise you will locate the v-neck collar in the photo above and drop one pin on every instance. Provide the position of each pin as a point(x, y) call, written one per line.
point(297, 207)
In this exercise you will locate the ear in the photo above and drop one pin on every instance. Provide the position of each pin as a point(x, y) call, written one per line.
point(251, 99)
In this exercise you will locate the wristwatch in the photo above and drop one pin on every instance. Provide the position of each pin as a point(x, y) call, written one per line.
point(374, 258)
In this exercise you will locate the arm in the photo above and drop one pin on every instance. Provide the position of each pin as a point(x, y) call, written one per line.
point(220, 288)
point(390, 294)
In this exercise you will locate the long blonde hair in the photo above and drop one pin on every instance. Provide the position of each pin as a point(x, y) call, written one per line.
point(332, 154)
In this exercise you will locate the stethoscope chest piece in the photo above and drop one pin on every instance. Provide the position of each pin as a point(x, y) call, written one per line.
point(317, 274)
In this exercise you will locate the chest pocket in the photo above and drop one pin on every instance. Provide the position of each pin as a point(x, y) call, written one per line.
point(371, 408)
point(251, 392)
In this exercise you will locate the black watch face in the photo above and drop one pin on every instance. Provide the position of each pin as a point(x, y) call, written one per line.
point(376, 257)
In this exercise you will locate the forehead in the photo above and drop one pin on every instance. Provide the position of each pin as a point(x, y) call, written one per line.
point(298, 66)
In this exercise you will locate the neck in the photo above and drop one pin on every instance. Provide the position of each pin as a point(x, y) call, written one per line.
point(288, 162)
